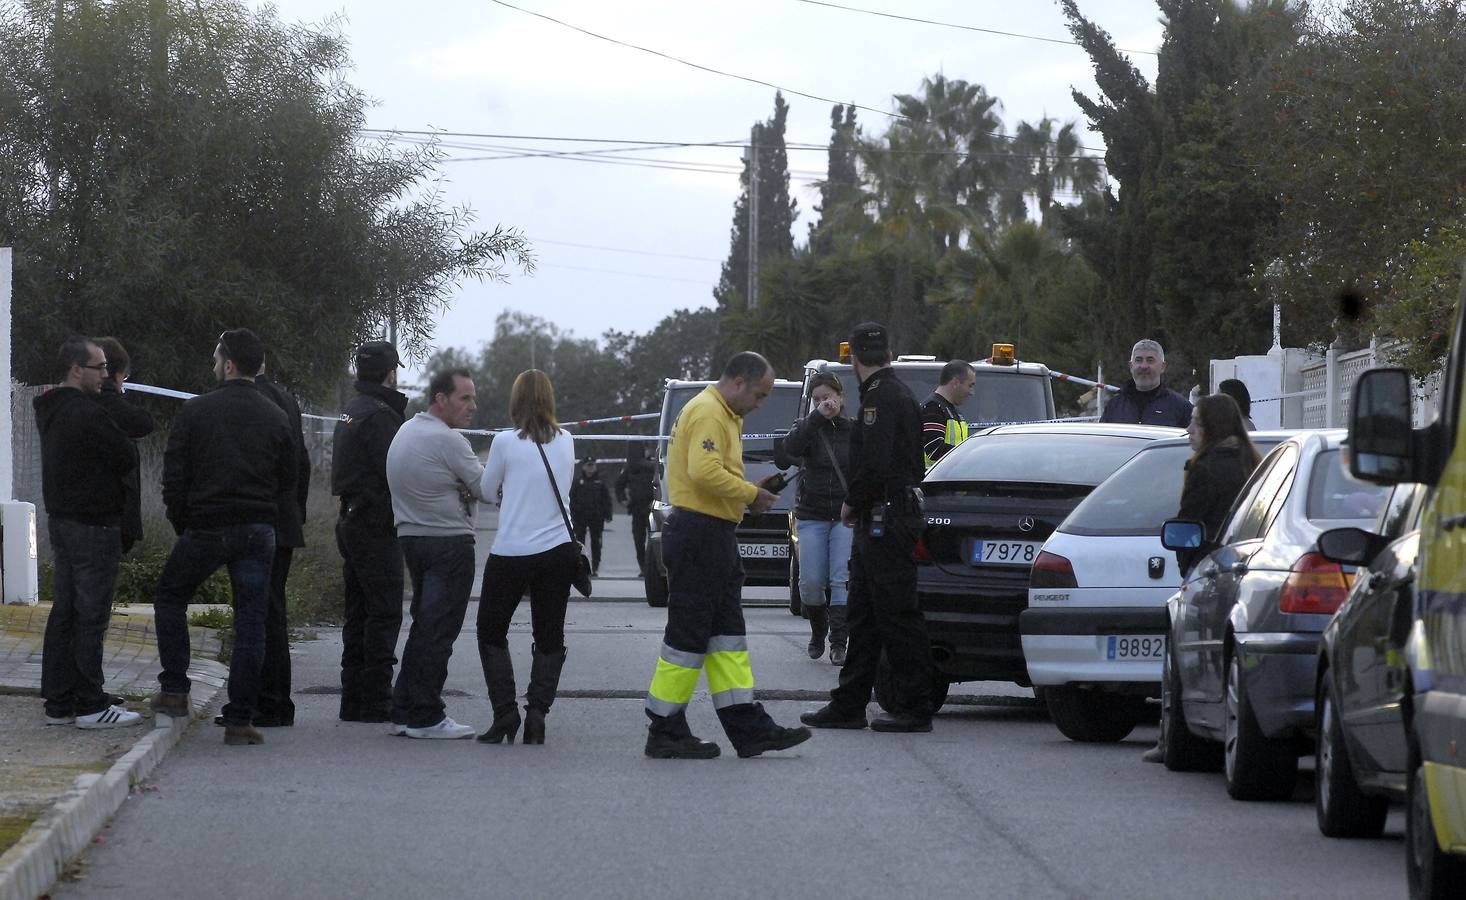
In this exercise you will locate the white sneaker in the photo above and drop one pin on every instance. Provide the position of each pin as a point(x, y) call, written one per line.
point(397, 729)
point(446, 730)
point(111, 717)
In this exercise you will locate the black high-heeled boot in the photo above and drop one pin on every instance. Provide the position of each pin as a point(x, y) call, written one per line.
point(544, 681)
point(499, 674)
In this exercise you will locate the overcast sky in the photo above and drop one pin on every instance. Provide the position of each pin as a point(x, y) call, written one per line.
point(651, 239)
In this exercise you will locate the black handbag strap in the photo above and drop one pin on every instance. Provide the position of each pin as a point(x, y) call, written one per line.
point(824, 439)
point(556, 488)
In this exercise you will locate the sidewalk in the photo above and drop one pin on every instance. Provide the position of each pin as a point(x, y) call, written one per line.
point(38, 759)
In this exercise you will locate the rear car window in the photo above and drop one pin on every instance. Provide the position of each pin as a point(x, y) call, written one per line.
point(1043, 457)
point(1334, 494)
point(1140, 496)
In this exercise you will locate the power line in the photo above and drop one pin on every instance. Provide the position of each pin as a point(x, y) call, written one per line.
point(668, 56)
point(394, 135)
point(1013, 34)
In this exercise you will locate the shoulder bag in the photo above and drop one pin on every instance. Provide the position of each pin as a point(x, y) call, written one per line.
point(581, 577)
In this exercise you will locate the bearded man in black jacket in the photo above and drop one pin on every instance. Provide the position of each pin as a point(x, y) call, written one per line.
point(228, 471)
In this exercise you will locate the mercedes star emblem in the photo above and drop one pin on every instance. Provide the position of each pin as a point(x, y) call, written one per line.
point(1025, 523)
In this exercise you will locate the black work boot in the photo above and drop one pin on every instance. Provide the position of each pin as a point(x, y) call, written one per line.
point(838, 635)
point(687, 746)
point(829, 716)
point(902, 723)
point(780, 738)
point(819, 623)
point(499, 676)
point(544, 681)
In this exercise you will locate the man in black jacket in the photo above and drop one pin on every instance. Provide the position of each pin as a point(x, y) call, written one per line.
point(590, 509)
point(1145, 400)
point(366, 535)
point(275, 708)
point(636, 487)
point(134, 421)
point(85, 461)
point(228, 471)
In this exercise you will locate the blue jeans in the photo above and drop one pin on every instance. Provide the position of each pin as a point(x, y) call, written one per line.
point(824, 559)
point(248, 551)
point(441, 570)
point(86, 559)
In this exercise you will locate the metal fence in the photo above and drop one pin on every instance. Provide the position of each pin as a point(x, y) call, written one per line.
point(1328, 387)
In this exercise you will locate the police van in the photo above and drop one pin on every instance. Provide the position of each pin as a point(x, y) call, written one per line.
point(763, 540)
point(1008, 390)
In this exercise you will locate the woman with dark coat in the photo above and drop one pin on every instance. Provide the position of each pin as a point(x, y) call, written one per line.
point(821, 441)
point(1223, 457)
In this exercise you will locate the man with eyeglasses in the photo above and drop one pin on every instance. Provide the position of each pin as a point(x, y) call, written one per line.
point(85, 460)
point(228, 470)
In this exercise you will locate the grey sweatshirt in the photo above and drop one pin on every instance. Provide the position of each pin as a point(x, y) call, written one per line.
point(434, 477)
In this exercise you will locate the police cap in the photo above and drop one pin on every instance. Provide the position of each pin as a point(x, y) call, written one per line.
point(869, 337)
point(377, 356)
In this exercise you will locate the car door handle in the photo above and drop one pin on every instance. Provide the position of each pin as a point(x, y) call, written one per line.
point(1451, 523)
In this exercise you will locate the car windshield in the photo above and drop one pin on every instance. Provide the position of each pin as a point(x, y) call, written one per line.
point(998, 397)
point(777, 413)
point(1334, 494)
point(1044, 457)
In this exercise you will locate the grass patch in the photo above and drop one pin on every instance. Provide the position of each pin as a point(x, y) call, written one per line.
point(13, 826)
point(314, 593)
point(213, 617)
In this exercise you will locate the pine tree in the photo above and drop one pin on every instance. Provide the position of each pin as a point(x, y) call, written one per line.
point(842, 179)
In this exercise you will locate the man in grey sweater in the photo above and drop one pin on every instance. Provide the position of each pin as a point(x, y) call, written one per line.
point(434, 478)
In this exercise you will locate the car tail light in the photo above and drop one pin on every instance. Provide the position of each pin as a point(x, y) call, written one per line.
point(923, 552)
point(1315, 585)
point(1051, 570)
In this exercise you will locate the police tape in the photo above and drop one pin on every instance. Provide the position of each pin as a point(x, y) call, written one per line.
point(1060, 376)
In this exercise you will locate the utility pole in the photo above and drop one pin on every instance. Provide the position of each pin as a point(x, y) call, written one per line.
point(753, 193)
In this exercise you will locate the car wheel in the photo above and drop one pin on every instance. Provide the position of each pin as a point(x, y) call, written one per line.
point(1256, 768)
point(1432, 873)
point(1183, 751)
point(1092, 717)
point(1343, 809)
point(656, 581)
point(795, 606)
point(940, 688)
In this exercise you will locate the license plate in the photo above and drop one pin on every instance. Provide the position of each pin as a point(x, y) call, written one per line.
point(763, 551)
point(1005, 553)
point(1120, 647)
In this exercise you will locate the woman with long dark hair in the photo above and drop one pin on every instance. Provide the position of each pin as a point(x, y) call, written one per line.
point(822, 442)
point(1223, 457)
point(534, 465)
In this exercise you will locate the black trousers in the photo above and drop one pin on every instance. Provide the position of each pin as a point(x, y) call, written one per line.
point(546, 576)
point(275, 702)
point(372, 573)
point(882, 614)
point(595, 528)
point(638, 514)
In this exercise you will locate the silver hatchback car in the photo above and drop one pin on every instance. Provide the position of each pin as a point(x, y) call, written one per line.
point(1245, 626)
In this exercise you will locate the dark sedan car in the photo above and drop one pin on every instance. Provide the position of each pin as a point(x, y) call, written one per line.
point(1245, 626)
point(990, 503)
point(1362, 749)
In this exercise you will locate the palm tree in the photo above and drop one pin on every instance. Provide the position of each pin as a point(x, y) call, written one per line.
point(1046, 162)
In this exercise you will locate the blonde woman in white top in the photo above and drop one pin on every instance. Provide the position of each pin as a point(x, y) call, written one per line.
point(532, 551)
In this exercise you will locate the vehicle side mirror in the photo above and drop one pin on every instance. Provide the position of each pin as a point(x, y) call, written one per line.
point(1182, 534)
point(1380, 427)
point(1350, 546)
point(782, 459)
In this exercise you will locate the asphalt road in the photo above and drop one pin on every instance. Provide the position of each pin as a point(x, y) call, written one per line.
point(994, 803)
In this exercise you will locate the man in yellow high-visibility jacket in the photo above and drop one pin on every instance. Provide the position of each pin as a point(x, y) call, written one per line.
point(942, 424)
point(705, 630)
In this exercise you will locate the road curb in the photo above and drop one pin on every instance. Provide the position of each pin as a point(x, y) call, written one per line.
point(31, 867)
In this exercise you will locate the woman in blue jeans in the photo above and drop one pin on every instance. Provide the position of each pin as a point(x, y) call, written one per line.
point(821, 441)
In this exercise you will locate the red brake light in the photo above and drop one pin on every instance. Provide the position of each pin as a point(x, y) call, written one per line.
point(1315, 585)
point(923, 553)
point(1051, 570)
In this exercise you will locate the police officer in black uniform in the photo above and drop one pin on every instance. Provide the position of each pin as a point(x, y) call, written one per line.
point(366, 535)
point(636, 487)
point(884, 508)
